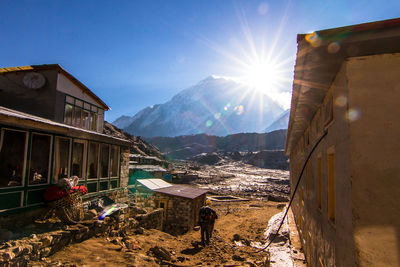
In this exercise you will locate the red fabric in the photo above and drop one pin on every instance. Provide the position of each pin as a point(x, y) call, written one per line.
point(80, 188)
point(54, 192)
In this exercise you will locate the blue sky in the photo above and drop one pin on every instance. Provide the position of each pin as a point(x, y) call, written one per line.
point(137, 53)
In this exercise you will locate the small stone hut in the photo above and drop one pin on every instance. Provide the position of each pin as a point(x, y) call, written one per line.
point(181, 203)
point(181, 207)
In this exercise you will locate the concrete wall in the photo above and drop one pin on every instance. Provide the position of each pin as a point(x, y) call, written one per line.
point(324, 240)
point(39, 102)
point(374, 85)
point(66, 86)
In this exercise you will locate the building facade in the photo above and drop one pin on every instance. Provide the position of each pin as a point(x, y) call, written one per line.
point(344, 130)
point(51, 127)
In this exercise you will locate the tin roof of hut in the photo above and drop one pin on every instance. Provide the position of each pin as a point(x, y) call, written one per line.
point(182, 191)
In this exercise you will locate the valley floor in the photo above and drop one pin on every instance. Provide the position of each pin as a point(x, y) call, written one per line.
point(239, 231)
point(243, 221)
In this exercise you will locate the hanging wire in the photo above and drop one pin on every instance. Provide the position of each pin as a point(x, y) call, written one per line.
point(295, 190)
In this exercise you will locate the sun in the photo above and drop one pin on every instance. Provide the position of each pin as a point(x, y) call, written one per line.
point(263, 76)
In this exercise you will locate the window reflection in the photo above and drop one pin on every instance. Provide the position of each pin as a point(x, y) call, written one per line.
point(39, 161)
point(61, 158)
point(12, 157)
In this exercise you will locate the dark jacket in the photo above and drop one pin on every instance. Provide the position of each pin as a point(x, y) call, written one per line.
point(207, 215)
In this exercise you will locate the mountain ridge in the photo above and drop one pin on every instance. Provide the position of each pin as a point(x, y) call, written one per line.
point(184, 147)
point(216, 105)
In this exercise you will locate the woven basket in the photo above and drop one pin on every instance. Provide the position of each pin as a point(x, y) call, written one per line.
point(69, 209)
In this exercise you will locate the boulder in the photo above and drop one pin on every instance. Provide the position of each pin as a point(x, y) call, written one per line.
point(161, 253)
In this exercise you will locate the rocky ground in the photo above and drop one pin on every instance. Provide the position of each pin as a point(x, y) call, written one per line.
point(244, 180)
point(239, 231)
point(242, 229)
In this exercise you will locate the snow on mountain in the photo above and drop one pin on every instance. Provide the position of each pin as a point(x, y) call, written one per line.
point(281, 123)
point(215, 105)
point(123, 121)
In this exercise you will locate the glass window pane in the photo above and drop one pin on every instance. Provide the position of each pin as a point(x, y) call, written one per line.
point(68, 114)
point(77, 117)
point(69, 99)
point(100, 123)
point(78, 103)
point(104, 155)
point(77, 159)
point(61, 158)
point(12, 155)
point(85, 120)
point(39, 162)
point(93, 159)
point(94, 122)
point(114, 161)
point(90, 120)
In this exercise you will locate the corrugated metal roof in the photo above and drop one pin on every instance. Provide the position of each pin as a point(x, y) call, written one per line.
point(154, 184)
point(182, 191)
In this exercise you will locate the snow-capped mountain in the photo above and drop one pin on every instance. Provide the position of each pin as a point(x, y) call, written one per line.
point(281, 123)
point(218, 106)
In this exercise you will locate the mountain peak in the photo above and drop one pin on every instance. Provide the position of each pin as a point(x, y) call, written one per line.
point(216, 105)
point(214, 77)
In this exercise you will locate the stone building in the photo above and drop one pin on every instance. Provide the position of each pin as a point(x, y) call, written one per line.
point(181, 207)
point(51, 127)
point(181, 204)
point(344, 129)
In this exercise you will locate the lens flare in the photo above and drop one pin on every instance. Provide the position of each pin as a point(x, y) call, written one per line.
point(341, 101)
point(209, 123)
point(239, 110)
point(353, 115)
point(313, 39)
point(217, 115)
point(333, 47)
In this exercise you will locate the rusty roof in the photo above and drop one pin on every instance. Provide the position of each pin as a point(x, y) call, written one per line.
point(182, 191)
point(59, 69)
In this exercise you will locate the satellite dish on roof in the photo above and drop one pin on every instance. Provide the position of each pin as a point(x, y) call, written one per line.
point(34, 80)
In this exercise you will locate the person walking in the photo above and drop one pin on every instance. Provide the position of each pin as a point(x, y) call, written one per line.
point(207, 217)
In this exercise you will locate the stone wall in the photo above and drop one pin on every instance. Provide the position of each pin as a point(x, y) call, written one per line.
point(151, 220)
point(36, 246)
point(181, 213)
point(124, 166)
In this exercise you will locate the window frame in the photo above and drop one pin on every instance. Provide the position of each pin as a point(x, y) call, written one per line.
point(95, 112)
point(55, 155)
point(84, 142)
point(24, 169)
point(98, 161)
point(331, 182)
point(118, 161)
point(319, 182)
point(108, 163)
point(50, 159)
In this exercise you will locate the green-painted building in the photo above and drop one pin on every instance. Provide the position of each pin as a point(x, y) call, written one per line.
point(51, 127)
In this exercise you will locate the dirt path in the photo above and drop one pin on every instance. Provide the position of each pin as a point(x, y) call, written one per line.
point(245, 219)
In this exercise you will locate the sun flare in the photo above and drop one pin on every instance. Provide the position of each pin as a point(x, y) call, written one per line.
point(262, 76)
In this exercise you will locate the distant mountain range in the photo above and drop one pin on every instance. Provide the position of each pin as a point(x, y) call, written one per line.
point(281, 123)
point(185, 147)
point(215, 106)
